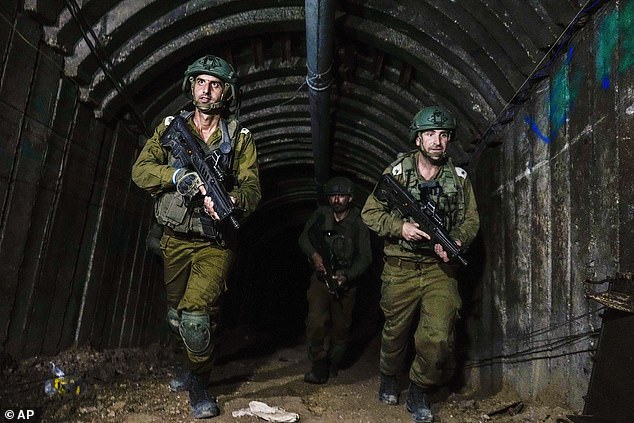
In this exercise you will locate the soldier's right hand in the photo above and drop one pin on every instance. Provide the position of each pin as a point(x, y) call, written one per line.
point(411, 232)
point(318, 262)
point(187, 182)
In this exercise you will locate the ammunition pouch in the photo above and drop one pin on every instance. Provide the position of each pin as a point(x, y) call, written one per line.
point(170, 209)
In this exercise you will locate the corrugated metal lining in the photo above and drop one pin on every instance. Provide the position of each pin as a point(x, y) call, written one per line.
point(469, 57)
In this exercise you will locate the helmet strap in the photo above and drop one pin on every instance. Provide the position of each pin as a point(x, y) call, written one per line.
point(209, 109)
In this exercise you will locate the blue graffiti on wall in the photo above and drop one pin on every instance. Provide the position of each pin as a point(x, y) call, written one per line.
point(563, 92)
point(606, 46)
point(614, 35)
point(536, 129)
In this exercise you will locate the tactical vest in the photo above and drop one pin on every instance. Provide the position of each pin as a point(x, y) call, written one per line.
point(450, 199)
point(173, 211)
point(335, 243)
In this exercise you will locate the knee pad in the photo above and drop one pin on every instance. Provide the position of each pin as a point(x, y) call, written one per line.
point(173, 319)
point(195, 329)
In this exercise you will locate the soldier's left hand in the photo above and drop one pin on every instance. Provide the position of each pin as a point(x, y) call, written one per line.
point(208, 204)
point(341, 279)
point(442, 253)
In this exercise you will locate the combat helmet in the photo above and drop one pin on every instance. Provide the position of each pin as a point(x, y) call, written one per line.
point(434, 117)
point(339, 185)
point(218, 67)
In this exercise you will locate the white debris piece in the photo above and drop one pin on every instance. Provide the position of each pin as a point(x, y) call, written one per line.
point(266, 412)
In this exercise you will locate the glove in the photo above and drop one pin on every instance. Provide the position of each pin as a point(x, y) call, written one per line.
point(187, 182)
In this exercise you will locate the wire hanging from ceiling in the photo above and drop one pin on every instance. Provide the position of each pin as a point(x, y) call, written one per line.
point(541, 71)
point(95, 46)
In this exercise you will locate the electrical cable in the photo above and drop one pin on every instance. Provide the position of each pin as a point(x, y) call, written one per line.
point(319, 81)
point(537, 347)
point(104, 62)
point(536, 74)
point(294, 95)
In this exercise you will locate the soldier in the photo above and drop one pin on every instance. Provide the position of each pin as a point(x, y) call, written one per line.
point(197, 262)
point(337, 244)
point(419, 283)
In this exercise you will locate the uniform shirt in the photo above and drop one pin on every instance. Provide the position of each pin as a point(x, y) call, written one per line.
point(352, 228)
point(152, 170)
point(388, 223)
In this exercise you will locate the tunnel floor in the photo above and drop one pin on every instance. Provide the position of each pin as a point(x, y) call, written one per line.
point(130, 385)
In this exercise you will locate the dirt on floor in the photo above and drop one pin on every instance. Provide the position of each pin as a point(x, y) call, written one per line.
point(130, 386)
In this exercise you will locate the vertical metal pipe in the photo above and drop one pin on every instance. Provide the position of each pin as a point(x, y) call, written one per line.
point(320, 18)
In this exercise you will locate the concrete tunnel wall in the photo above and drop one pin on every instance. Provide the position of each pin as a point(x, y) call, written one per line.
point(553, 185)
point(556, 201)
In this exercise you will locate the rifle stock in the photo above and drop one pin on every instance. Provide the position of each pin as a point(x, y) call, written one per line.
point(179, 140)
point(388, 189)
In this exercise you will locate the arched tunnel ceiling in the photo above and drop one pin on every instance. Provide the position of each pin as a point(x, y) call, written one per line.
point(391, 58)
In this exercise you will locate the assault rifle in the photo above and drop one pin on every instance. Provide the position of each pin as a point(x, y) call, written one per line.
point(332, 284)
point(331, 264)
point(317, 236)
point(179, 140)
point(388, 189)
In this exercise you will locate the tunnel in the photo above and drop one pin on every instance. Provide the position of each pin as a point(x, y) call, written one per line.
point(542, 92)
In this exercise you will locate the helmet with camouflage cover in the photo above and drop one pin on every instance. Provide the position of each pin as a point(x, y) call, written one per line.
point(434, 117)
point(339, 185)
point(218, 67)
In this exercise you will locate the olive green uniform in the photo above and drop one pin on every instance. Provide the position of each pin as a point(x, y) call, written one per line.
point(415, 279)
point(195, 267)
point(349, 241)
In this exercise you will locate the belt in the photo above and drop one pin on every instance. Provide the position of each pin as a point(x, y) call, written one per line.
point(186, 236)
point(404, 264)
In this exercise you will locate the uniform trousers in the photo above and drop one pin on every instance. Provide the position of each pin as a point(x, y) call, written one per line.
point(195, 273)
point(428, 298)
point(327, 316)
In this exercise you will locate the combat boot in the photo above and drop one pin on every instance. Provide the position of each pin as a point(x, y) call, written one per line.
point(388, 390)
point(181, 380)
point(203, 405)
point(418, 405)
point(336, 357)
point(318, 373)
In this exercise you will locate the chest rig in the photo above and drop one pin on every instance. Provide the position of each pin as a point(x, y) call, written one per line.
point(188, 217)
point(445, 191)
point(333, 241)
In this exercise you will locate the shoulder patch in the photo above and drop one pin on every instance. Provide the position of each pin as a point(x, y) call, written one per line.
point(244, 131)
point(461, 172)
point(398, 169)
point(168, 120)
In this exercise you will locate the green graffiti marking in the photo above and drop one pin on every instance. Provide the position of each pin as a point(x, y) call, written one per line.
point(559, 99)
point(606, 46)
point(564, 90)
point(615, 34)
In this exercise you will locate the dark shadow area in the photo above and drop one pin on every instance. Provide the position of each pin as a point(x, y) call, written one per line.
point(265, 306)
point(470, 286)
point(367, 316)
point(267, 288)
